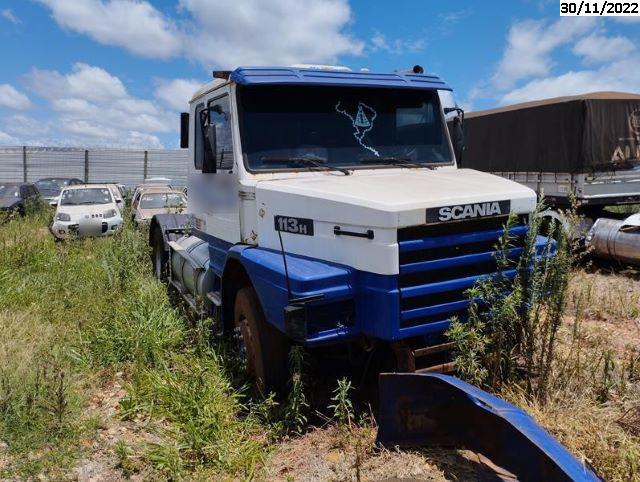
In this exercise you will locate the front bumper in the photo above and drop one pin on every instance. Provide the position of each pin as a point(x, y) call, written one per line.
point(86, 227)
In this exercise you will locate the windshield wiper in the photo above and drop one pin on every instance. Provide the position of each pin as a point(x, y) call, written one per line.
point(394, 160)
point(309, 161)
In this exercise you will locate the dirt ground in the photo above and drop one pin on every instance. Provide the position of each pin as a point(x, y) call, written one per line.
point(609, 299)
point(322, 454)
point(100, 462)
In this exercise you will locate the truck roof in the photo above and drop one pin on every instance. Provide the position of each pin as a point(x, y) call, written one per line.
point(326, 76)
point(602, 95)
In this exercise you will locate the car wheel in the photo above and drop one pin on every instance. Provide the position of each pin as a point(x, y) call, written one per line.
point(264, 349)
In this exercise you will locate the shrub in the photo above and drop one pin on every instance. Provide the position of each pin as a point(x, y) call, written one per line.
point(511, 332)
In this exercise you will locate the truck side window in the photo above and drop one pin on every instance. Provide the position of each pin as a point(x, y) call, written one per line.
point(221, 118)
point(198, 146)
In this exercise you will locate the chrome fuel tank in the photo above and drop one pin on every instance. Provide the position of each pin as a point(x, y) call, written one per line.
point(189, 266)
point(614, 239)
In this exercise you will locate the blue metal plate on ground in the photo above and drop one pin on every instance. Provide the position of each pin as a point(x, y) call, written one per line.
point(431, 409)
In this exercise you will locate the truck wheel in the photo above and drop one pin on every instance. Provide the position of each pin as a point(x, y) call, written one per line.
point(159, 256)
point(265, 349)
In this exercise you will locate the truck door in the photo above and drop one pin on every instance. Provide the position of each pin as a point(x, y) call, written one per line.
point(213, 196)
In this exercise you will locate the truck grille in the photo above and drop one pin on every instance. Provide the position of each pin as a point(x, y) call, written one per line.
point(439, 263)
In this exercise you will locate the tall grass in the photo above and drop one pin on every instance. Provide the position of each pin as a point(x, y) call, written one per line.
point(79, 309)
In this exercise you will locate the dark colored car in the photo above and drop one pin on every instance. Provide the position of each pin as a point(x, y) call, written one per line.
point(14, 196)
point(51, 187)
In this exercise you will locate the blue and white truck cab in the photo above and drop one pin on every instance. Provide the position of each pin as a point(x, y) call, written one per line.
point(325, 207)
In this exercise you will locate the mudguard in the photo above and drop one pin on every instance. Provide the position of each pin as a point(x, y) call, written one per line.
point(432, 409)
point(171, 226)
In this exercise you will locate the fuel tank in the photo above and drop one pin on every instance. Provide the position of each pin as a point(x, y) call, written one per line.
point(189, 266)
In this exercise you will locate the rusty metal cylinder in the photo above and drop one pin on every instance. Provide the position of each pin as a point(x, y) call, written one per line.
point(608, 239)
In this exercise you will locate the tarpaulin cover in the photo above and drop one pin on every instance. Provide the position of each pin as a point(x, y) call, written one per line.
point(581, 134)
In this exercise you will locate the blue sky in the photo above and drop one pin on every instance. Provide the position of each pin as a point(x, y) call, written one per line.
point(116, 72)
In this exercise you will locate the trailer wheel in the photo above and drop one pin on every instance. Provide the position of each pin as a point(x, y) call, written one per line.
point(265, 349)
point(159, 256)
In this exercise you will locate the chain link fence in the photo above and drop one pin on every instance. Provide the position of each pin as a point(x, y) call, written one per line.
point(122, 166)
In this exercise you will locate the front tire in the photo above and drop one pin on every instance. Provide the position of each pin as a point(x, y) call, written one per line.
point(265, 348)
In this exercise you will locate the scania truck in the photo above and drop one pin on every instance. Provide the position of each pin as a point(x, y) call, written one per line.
point(326, 208)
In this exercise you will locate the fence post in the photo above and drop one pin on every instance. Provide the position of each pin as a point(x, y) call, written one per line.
point(24, 163)
point(146, 164)
point(86, 166)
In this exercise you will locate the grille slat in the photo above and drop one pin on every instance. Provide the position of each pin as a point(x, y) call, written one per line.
point(445, 263)
point(425, 311)
point(438, 263)
point(458, 239)
point(450, 285)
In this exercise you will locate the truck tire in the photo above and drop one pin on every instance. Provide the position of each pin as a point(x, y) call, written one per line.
point(266, 350)
point(159, 256)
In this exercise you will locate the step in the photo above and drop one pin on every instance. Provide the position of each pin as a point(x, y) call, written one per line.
point(439, 368)
point(432, 350)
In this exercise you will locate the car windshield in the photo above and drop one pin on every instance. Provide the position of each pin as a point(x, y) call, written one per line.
point(162, 200)
point(9, 191)
point(96, 195)
point(285, 127)
point(51, 184)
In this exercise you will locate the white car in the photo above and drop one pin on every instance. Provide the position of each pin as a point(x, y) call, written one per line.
point(117, 196)
point(86, 210)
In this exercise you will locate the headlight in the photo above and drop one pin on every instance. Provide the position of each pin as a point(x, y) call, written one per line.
point(110, 213)
point(63, 217)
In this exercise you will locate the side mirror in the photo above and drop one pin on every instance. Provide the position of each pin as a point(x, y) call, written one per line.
point(210, 150)
point(184, 130)
point(456, 131)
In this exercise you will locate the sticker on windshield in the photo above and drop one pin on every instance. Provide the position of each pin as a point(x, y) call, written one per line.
point(362, 122)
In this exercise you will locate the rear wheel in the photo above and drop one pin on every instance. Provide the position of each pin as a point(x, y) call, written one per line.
point(159, 256)
point(264, 349)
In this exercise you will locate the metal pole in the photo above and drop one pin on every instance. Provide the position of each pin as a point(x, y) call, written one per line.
point(86, 165)
point(24, 163)
point(146, 164)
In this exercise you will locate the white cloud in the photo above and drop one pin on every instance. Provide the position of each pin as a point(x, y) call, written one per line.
point(85, 82)
point(396, 46)
point(22, 125)
point(217, 33)
point(140, 140)
point(135, 25)
point(8, 14)
point(630, 19)
point(530, 44)
point(236, 32)
point(450, 20)
point(176, 93)
point(617, 76)
point(527, 70)
point(11, 98)
point(6, 139)
point(598, 48)
point(94, 108)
